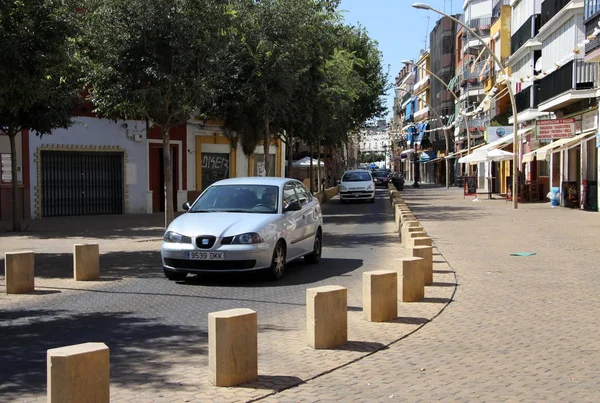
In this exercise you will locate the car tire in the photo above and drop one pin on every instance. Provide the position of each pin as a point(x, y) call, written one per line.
point(275, 272)
point(315, 256)
point(174, 275)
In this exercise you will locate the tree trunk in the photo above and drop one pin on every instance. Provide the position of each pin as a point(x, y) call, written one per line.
point(16, 218)
point(168, 176)
point(267, 143)
point(310, 169)
point(290, 151)
point(319, 186)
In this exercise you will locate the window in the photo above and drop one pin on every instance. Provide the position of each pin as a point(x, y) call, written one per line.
point(5, 162)
point(303, 194)
point(238, 198)
point(289, 195)
point(591, 8)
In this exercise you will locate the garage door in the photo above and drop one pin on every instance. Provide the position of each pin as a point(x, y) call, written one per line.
point(81, 183)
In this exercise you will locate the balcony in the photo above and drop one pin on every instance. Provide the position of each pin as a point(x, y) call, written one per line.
point(550, 8)
point(526, 99)
point(572, 82)
point(497, 10)
point(592, 49)
point(592, 8)
point(481, 24)
point(527, 31)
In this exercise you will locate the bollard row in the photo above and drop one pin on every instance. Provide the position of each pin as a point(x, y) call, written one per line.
point(20, 267)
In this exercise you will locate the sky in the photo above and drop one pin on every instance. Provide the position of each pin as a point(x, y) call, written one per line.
point(400, 29)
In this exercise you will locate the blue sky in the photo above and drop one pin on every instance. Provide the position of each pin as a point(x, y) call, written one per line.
point(399, 29)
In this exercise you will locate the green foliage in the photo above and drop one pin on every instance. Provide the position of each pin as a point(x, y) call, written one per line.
point(37, 65)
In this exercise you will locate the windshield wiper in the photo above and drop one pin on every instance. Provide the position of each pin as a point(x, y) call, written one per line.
point(233, 211)
point(200, 211)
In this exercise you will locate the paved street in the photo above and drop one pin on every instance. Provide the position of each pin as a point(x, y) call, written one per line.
point(157, 330)
point(516, 329)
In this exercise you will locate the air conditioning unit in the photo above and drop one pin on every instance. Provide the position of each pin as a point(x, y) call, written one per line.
point(138, 138)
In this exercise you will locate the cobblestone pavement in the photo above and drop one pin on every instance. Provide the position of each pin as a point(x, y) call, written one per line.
point(519, 329)
point(157, 330)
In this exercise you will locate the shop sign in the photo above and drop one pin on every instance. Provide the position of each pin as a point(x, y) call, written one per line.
point(555, 128)
point(496, 132)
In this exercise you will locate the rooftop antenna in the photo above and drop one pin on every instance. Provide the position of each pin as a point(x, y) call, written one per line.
point(426, 32)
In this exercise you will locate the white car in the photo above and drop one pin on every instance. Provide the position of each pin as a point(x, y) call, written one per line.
point(357, 185)
point(243, 224)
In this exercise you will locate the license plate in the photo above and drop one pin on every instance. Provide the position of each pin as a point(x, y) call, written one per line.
point(355, 194)
point(206, 255)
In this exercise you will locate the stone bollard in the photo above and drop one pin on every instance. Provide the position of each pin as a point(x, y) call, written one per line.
point(425, 252)
point(411, 282)
point(380, 295)
point(19, 272)
point(422, 241)
point(404, 226)
point(419, 233)
point(327, 316)
point(232, 346)
point(86, 262)
point(406, 237)
point(79, 373)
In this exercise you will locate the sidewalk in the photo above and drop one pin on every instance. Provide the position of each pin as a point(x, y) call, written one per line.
point(518, 329)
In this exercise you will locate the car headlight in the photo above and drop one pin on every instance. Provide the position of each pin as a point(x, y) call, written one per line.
point(370, 187)
point(343, 188)
point(249, 238)
point(175, 237)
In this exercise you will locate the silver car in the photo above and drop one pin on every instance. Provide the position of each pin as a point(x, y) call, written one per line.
point(244, 224)
point(357, 184)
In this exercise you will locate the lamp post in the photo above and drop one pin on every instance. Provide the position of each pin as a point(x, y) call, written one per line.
point(459, 108)
point(516, 145)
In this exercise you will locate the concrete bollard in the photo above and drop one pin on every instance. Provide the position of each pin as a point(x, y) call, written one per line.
point(425, 252)
point(232, 346)
point(419, 233)
point(380, 295)
point(79, 373)
point(19, 272)
point(86, 262)
point(327, 316)
point(407, 234)
point(411, 282)
point(422, 241)
point(404, 226)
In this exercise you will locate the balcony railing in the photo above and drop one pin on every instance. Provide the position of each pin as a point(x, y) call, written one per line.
point(576, 75)
point(527, 31)
point(527, 98)
point(590, 26)
point(497, 10)
point(592, 7)
point(481, 23)
point(550, 8)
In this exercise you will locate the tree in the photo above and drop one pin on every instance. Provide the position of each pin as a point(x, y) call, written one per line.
point(38, 85)
point(153, 60)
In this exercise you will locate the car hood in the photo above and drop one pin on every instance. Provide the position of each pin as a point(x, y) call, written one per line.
point(356, 185)
point(220, 224)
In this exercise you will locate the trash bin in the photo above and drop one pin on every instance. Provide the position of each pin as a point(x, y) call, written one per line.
point(554, 196)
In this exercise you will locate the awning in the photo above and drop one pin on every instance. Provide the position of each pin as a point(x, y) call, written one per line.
point(574, 141)
point(434, 160)
point(543, 152)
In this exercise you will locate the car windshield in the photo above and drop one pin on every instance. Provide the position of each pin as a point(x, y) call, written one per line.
point(356, 177)
point(238, 199)
point(379, 174)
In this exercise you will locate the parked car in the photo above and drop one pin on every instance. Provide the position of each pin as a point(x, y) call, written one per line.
point(381, 178)
point(357, 185)
point(244, 224)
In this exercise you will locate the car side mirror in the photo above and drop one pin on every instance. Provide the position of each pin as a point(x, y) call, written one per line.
point(293, 206)
point(186, 206)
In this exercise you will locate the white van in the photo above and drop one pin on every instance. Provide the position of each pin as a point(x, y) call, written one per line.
point(357, 185)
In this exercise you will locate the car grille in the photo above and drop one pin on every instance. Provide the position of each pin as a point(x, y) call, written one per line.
point(205, 241)
point(210, 264)
point(227, 240)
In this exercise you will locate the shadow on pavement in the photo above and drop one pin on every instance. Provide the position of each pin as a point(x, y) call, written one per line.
point(410, 321)
point(345, 240)
point(296, 273)
point(133, 342)
point(362, 346)
point(113, 265)
point(101, 227)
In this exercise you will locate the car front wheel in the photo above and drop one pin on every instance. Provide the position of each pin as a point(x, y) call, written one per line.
point(174, 276)
point(277, 262)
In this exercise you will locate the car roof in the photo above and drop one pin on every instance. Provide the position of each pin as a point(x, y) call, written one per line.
point(356, 170)
point(255, 180)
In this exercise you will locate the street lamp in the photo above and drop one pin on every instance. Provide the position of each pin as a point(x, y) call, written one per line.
point(407, 62)
point(516, 145)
